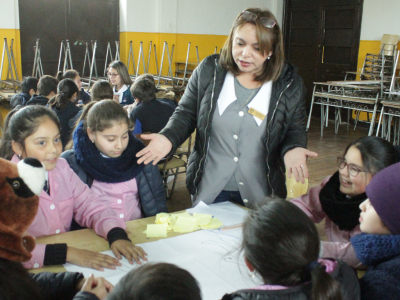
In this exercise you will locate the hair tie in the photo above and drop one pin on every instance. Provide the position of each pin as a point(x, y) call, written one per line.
point(312, 265)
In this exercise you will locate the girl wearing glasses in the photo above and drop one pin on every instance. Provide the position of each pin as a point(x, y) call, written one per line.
point(121, 81)
point(248, 107)
point(337, 199)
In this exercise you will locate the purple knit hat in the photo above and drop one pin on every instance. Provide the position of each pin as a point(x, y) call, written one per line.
point(384, 193)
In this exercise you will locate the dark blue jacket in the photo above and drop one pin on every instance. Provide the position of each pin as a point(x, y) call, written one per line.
point(149, 182)
point(381, 253)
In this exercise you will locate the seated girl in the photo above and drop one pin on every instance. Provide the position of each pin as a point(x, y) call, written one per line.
point(121, 81)
point(65, 108)
point(83, 96)
point(281, 246)
point(378, 246)
point(336, 200)
point(104, 157)
point(34, 131)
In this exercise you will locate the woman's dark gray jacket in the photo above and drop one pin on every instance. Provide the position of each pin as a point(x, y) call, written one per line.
point(286, 121)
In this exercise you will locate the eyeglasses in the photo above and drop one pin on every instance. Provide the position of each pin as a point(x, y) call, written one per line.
point(112, 75)
point(351, 168)
point(252, 17)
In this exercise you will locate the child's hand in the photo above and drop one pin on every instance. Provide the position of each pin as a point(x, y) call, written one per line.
point(129, 250)
point(98, 286)
point(91, 259)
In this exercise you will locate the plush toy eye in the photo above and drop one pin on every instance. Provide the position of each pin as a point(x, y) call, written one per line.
point(16, 184)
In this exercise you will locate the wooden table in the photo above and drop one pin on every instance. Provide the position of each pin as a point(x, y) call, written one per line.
point(89, 240)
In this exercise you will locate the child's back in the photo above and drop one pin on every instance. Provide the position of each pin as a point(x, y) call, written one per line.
point(281, 246)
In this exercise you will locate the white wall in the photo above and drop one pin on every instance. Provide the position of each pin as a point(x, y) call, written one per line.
point(380, 17)
point(187, 16)
point(9, 14)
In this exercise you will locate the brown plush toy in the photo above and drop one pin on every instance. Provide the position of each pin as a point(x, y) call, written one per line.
point(19, 186)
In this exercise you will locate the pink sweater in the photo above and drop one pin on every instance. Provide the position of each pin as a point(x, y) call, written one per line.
point(338, 245)
point(69, 197)
point(122, 197)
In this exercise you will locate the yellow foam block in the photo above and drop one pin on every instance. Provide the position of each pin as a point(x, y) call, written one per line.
point(202, 219)
point(296, 189)
point(214, 224)
point(156, 230)
point(163, 218)
point(184, 214)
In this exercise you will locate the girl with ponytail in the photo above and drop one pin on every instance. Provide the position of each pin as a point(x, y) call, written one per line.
point(281, 245)
point(63, 104)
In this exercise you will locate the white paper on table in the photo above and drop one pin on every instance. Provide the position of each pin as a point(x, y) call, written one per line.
point(211, 256)
point(227, 212)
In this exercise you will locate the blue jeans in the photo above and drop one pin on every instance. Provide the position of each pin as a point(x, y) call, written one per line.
point(229, 196)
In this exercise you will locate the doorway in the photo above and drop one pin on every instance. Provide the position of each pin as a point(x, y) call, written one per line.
point(75, 20)
point(322, 39)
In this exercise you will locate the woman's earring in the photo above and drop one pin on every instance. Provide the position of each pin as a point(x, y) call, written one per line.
point(20, 156)
point(251, 273)
point(269, 57)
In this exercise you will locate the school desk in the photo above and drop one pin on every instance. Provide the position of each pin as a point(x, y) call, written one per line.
point(89, 240)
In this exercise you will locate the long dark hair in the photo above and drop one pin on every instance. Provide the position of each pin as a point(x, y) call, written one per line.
point(22, 122)
point(66, 89)
point(281, 243)
point(376, 153)
point(160, 281)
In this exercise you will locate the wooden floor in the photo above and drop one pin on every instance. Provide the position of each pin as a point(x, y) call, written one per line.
point(329, 147)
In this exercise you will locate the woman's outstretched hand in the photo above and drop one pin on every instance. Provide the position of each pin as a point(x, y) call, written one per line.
point(295, 162)
point(156, 150)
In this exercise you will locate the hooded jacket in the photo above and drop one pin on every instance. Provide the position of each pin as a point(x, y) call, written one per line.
point(285, 121)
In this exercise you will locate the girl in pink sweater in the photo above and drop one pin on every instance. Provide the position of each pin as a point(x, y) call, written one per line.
point(336, 200)
point(34, 131)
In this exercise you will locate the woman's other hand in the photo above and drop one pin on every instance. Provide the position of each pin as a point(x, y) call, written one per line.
point(295, 162)
point(96, 285)
point(91, 259)
point(156, 150)
point(129, 250)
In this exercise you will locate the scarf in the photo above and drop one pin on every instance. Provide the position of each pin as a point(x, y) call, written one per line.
point(342, 210)
point(110, 170)
point(372, 249)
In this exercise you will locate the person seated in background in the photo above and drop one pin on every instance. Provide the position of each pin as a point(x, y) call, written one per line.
point(64, 106)
point(47, 89)
point(160, 281)
point(102, 90)
point(150, 114)
point(28, 89)
point(83, 96)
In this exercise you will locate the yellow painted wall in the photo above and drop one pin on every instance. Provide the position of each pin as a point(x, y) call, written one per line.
point(11, 34)
point(206, 46)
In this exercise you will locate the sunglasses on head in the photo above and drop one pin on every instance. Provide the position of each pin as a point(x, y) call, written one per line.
point(252, 17)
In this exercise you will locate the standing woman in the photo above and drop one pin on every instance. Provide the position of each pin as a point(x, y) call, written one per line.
point(248, 107)
point(121, 81)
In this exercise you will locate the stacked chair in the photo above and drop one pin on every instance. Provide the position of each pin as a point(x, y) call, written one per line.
point(362, 95)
